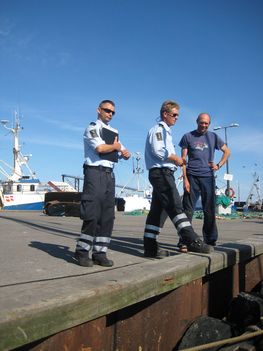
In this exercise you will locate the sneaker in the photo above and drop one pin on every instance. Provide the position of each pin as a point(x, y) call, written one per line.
point(159, 253)
point(83, 259)
point(102, 260)
point(199, 246)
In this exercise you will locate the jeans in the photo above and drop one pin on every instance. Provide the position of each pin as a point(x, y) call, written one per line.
point(204, 186)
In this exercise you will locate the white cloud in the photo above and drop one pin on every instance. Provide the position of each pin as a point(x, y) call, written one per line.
point(247, 141)
point(63, 58)
point(4, 32)
point(5, 27)
point(61, 124)
point(61, 144)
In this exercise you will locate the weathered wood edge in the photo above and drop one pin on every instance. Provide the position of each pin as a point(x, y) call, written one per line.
point(152, 278)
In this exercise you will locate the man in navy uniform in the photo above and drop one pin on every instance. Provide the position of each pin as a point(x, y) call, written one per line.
point(161, 161)
point(102, 149)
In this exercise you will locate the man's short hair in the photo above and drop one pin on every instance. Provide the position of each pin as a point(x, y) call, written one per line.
point(106, 102)
point(203, 113)
point(168, 105)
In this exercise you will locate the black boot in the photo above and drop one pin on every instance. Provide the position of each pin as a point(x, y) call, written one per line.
point(101, 259)
point(152, 249)
point(82, 257)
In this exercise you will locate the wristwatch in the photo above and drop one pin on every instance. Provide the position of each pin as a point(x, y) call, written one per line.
point(218, 165)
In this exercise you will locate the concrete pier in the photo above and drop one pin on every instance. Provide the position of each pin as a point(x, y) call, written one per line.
point(47, 301)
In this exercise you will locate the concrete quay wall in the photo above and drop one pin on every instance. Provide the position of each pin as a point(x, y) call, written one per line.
point(139, 305)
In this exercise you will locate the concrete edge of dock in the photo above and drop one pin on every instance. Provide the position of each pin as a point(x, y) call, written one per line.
point(75, 300)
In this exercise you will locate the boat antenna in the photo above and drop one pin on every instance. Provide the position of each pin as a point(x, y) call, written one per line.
point(137, 171)
point(255, 190)
point(18, 158)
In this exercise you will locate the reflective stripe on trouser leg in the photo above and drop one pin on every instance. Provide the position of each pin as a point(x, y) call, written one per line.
point(101, 244)
point(167, 198)
point(84, 242)
point(182, 225)
point(150, 238)
point(151, 232)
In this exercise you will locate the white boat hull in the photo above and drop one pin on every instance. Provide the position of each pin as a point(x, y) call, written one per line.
point(136, 202)
point(19, 191)
point(23, 202)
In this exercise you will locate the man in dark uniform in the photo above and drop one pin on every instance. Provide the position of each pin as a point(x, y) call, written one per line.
point(102, 149)
point(161, 161)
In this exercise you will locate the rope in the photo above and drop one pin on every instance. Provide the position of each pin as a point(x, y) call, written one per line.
point(225, 341)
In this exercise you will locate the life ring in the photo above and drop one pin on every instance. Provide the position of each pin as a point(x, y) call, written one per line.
point(230, 193)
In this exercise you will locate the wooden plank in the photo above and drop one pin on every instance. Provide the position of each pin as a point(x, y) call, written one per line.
point(77, 303)
point(253, 273)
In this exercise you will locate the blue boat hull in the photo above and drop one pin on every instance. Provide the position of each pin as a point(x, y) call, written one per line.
point(36, 206)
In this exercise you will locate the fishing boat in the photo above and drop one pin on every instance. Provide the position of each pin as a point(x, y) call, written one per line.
point(134, 198)
point(20, 191)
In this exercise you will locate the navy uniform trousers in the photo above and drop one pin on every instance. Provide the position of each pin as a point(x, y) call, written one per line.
point(97, 209)
point(166, 201)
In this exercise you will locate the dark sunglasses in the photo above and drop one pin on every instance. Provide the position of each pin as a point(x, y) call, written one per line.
point(174, 115)
point(107, 110)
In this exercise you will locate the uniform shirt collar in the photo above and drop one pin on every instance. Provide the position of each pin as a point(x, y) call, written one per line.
point(166, 127)
point(102, 123)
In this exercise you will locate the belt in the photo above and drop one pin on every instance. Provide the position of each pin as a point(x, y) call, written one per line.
point(100, 168)
point(163, 170)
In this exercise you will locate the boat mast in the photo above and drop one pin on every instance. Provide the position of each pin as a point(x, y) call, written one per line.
point(18, 159)
point(256, 187)
point(138, 170)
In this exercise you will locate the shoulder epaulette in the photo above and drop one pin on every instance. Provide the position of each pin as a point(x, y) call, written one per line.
point(92, 124)
point(161, 125)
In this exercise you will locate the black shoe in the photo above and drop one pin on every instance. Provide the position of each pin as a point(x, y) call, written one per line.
point(83, 259)
point(102, 260)
point(159, 253)
point(153, 250)
point(211, 243)
point(200, 247)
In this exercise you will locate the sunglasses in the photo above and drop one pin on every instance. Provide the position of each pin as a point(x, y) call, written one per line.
point(174, 115)
point(107, 110)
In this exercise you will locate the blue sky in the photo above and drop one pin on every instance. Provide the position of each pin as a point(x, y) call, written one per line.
point(60, 58)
